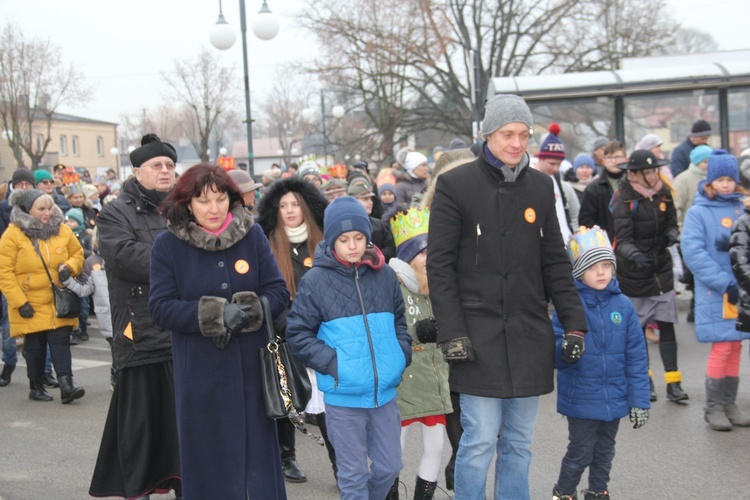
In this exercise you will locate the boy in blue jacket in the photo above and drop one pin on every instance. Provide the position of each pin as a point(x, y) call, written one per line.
point(611, 379)
point(347, 323)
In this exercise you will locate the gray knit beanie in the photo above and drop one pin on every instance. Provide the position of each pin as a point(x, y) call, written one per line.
point(503, 109)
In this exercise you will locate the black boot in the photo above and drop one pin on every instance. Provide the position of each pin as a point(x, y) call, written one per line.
point(672, 376)
point(68, 390)
point(292, 471)
point(38, 392)
point(84, 334)
point(50, 380)
point(450, 472)
point(651, 386)
point(393, 492)
point(424, 490)
point(5, 376)
point(595, 495)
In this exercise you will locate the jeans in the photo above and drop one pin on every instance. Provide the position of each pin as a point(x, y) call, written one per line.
point(591, 444)
point(9, 343)
point(361, 433)
point(83, 317)
point(491, 425)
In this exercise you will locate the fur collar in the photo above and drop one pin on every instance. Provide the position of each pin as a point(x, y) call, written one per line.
point(405, 273)
point(33, 227)
point(236, 230)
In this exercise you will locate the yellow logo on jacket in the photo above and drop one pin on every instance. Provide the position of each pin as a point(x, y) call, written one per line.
point(726, 222)
point(530, 215)
point(241, 266)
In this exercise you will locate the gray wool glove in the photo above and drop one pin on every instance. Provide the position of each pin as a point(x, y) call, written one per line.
point(639, 417)
point(458, 349)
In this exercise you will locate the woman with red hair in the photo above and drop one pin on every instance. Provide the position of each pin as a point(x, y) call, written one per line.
point(207, 273)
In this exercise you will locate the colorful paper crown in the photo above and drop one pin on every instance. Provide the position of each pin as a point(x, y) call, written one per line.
point(587, 247)
point(410, 232)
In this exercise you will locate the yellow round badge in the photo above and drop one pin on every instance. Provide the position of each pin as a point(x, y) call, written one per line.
point(663, 206)
point(58, 251)
point(307, 262)
point(241, 266)
point(96, 267)
point(726, 222)
point(530, 215)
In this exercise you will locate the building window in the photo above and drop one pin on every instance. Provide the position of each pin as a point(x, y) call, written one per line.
point(39, 142)
point(75, 145)
point(100, 146)
point(63, 145)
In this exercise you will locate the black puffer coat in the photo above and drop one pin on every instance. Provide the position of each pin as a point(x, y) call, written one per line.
point(739, 252)
point(643, 226)
point(128, 227)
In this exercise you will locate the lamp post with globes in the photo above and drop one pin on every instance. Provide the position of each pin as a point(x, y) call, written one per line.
point(265, 27)
point(308, 114)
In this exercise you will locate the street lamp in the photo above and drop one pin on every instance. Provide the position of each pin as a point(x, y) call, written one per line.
point(308, 114)
point(265, 27)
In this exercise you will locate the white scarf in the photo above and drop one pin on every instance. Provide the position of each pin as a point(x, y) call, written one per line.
point(296, 234)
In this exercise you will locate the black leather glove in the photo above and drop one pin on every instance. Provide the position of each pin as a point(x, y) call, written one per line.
point(639, 417)
point(234, 318)
point(63, 273)
point(426, 330)
point(641, 261)
point(669, 238)
point(572, 347)
point(223, 340)
point(26, 311)
point(458, 349)
point(733, 294)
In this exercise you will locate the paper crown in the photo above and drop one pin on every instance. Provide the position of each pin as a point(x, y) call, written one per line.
point(586, 239)
point(410, 232)
point(72, 189)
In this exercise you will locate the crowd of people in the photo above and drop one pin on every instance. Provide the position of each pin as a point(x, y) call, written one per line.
point(442, 293)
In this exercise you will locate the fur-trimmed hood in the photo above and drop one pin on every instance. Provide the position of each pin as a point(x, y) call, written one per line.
point(33, 227)
point(268, 208)
point(237, 229)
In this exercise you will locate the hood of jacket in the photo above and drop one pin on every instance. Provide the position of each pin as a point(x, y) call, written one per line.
point(193, 235)
point(702, 199)
point(33, 227)
point(268, 207)
point(590, 297)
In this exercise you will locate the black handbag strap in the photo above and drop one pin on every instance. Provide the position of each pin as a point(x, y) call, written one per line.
point(36, 248)
point(268, 319)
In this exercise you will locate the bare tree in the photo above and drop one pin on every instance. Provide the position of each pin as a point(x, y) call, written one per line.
point(691, 41)
point(208, 90)
point(281, 113)
point(34, 83)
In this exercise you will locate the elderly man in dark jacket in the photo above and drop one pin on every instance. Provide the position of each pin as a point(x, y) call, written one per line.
point(495, 258)
point(139, 452)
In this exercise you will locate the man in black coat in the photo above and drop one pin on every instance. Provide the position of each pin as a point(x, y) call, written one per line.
point(699, 134)
point(495, 258)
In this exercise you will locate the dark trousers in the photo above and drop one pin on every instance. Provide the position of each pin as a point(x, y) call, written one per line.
point(591, 444)
point(35, 351)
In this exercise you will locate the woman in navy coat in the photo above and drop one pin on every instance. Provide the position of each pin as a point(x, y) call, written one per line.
point(207, 272)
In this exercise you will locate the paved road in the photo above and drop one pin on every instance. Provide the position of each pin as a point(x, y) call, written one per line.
point(48, 450)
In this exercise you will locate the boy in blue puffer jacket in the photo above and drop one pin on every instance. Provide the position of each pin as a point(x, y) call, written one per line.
point(611, 379)
point(347, 323)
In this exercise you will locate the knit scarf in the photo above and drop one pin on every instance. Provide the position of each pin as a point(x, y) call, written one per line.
point(640, 186)
point(510, 174)
point(296, 234)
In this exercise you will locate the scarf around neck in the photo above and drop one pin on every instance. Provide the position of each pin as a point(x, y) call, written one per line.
point(643, 189)
point(296, 234)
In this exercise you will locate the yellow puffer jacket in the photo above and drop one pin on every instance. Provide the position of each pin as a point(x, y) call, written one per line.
point(22, 277)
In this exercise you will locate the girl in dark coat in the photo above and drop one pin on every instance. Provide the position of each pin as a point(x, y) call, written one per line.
point(645, 226)
point(207, 272)
point(291, 215)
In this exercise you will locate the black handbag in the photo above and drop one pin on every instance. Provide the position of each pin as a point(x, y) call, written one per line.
point(67, 303)
point(286, 386)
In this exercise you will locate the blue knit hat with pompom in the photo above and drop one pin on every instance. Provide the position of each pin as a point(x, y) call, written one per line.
point(722, 164)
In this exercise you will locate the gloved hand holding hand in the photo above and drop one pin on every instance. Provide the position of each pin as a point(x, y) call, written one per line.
point(234, 318)
point(63, 272)
point(572, 347)
point(669, 238)
point(26, 311)
point(733, 294)
point(426, 330)
point(641, 261)
point(639, 417)
point(458, 349)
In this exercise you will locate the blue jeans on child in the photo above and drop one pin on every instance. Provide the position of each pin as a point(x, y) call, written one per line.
point(361, 433)
point(495, 425)
point(10, 357)
point(591, 444)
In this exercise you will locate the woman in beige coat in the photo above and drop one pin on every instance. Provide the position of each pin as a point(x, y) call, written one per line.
point(36, 232)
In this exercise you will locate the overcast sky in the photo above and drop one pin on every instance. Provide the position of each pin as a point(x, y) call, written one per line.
point(121, 47)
